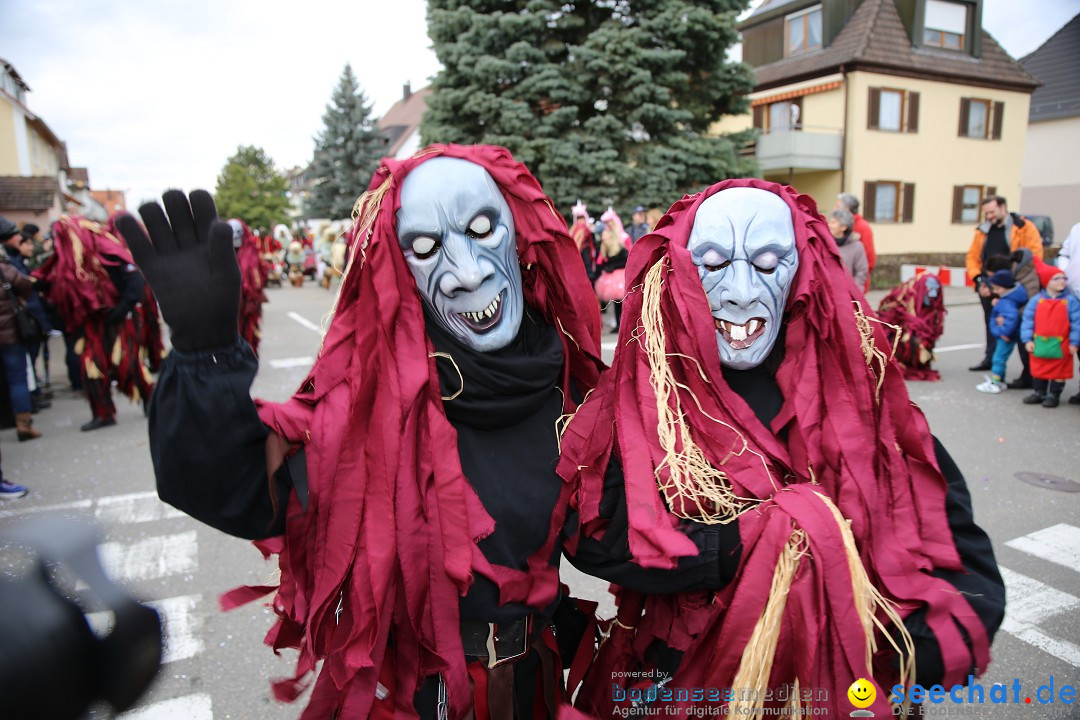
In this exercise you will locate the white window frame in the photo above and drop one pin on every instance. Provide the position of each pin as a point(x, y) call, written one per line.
point(802, 15)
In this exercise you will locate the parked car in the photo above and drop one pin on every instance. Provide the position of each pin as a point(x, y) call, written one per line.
point(1045, 226)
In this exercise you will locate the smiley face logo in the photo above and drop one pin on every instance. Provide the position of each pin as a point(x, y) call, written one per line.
point(862, 693)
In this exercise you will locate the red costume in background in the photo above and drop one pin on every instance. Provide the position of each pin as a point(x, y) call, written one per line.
point(253, 275)
point(90, 274)
point(919, 320)
point(840, 496)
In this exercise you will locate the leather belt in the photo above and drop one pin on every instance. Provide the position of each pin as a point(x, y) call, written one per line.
point(496, 643)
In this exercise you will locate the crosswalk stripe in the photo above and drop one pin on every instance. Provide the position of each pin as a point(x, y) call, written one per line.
point(1058, 544)
point(154, 557)
point(1028, 603)
point(62, 507)
point(131, 508)
point(178, 615)
point(134, 508)
point(189, 707)
point(182, 626)
point(286, 363)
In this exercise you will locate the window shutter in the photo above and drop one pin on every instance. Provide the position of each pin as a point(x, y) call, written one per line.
point(869, 200)
point(965, 111)
point(873, 116)
point(999, 110)
point(957, 203)
point(913, 112)
point(759, 117)
point(909, 202)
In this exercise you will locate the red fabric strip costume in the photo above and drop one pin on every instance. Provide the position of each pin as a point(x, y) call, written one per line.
point(852, 441)
point(372, 571)
point(253, 274)
point(919, 320)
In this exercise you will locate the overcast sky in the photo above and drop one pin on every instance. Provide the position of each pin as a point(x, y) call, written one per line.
point(159, 94)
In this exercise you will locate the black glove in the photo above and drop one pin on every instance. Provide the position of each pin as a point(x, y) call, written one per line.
point(116, 314)
point(191, 266)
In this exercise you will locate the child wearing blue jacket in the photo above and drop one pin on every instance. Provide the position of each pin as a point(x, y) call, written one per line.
point(1051, 331)
point(1004, 325)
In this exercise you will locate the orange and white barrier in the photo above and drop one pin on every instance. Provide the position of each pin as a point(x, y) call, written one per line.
point(949, 276)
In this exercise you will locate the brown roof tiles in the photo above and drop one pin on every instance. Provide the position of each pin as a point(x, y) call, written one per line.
point(27, 193)
point(874, 38)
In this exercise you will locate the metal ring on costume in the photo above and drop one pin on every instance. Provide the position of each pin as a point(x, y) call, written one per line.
point(460, 376)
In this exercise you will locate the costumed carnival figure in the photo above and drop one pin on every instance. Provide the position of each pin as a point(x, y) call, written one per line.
point(751, 393)
point(253, 277)
point(581, 233)
point(408, 487)
point(97, 290)
point(147, 320)
point(914, 313)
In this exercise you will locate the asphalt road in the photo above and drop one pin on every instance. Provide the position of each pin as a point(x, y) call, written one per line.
point(218, 668)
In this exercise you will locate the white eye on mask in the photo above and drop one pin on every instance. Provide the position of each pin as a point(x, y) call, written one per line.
point(743, 244)
point(457, 233)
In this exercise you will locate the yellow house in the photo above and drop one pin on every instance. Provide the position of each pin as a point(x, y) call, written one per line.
point(907, 104)
point(33, 161)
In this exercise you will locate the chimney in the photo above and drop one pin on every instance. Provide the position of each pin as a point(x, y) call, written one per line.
point(407, 91)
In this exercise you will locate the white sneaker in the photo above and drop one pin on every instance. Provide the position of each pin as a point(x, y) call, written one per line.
point(990, 385)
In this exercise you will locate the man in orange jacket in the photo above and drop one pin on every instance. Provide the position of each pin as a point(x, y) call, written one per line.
point(1000, 234)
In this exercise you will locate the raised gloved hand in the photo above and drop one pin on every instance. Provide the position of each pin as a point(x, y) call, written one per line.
point(191, 266)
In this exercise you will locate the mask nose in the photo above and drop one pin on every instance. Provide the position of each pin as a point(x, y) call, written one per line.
point(740, 292)
point(464, 273)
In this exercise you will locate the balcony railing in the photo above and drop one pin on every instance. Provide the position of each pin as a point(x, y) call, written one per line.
point(801, 149)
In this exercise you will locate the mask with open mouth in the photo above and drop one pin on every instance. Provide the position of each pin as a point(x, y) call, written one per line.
point(743, 244)
point(457, 233)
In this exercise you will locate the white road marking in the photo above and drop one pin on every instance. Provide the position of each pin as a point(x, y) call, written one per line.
point(304, 321)
point(134, 508)
point(1059, 544)
point(1028, 603)
point(62, 507)
point(182, 626)
point(285, 363)
point(953, 348)
point(190, 707)
point(152, 558)
point(131, 508)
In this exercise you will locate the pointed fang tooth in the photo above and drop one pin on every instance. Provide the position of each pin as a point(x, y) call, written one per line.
point(752, 326)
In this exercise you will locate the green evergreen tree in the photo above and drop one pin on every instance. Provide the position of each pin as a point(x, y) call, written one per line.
point(605, 100)
point(250, 188)
point(347, 151)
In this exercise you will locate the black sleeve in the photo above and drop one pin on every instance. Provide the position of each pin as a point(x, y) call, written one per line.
point(980, 581)
point(209, 446)
point(128, 281)
point(609, 558)
point(616, 261)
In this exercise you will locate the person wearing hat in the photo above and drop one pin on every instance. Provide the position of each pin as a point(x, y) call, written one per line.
point(19, 249)
point(638, 227)
point(1004, 323)
point(12, 347)
point(1051, 331)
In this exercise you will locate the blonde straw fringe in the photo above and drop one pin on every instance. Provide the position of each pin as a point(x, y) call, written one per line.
point(755, 667)
point(868, 601)
point(690, 477)
point(871, 354)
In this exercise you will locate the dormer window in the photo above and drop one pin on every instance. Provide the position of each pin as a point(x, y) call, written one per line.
point(802, 31)
point(945, 25)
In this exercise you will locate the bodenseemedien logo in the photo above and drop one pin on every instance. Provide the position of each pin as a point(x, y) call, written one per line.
point(862, 694)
